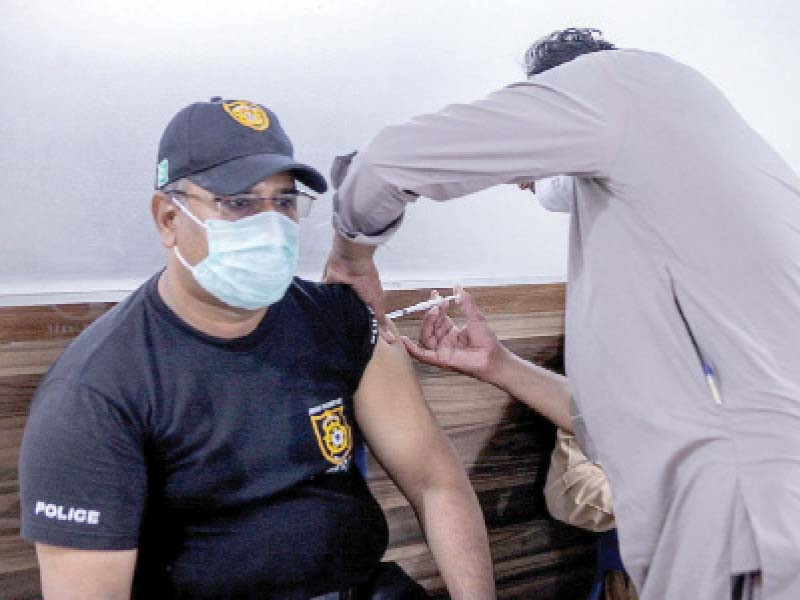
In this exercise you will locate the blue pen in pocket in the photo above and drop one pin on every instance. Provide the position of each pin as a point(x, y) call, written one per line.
point(708, 371)
point(712, 382)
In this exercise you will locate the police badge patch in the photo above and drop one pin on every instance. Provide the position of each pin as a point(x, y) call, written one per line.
point(333, 433)
point(247, 114)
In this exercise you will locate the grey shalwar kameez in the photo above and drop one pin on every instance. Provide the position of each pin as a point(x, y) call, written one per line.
point(685, 225)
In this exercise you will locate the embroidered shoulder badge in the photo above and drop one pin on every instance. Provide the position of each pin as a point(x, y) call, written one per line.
point(248, 114)
point(333, 433)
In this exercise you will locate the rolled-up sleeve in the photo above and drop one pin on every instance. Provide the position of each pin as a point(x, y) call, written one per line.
point(556, 194)
point(577, 491)
point(570, 120)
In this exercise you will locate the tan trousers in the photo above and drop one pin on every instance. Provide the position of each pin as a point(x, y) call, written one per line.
point(619, 587)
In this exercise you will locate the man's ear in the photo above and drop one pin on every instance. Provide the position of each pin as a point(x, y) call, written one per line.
point(164, 213)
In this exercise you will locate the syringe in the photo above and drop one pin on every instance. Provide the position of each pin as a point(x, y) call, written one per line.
point(421, 306)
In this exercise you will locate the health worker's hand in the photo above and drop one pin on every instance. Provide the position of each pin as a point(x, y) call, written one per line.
point(472, 349)
point(353, 264)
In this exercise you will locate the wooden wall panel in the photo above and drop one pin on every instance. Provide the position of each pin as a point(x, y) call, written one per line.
point(504, 446)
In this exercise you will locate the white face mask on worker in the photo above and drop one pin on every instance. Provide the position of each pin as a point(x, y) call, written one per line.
point(250, 262)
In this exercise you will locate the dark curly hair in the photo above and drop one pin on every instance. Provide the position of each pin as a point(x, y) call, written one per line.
point(562, 46)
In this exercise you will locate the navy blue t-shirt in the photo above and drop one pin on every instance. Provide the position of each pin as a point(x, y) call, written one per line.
point(227, 463)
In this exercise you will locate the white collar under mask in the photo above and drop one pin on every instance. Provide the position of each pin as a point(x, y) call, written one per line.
point(250, 262)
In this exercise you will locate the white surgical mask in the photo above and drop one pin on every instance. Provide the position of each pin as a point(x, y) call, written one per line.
point(250, 262)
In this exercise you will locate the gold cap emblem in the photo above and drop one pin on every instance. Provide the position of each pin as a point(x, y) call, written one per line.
point(247, 114)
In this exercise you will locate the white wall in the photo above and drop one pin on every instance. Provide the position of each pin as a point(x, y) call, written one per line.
point(89, 86)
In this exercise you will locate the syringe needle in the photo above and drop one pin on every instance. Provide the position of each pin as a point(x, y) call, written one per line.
point(420, 306)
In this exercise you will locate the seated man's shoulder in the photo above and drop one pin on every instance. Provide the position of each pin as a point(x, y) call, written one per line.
point(337, 307)
point(105, 347)
point(324, 293)
point(329, 301)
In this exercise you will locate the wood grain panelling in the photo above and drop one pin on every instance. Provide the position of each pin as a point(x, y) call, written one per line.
point(504, 446)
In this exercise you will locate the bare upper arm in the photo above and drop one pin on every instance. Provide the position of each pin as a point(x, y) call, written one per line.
point(399, 427)
point(72, 574)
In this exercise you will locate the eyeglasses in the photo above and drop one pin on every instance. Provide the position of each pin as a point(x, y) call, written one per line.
point(294, 204)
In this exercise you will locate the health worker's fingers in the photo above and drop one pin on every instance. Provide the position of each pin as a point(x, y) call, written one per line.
point(441, 321)
point(353, 263)
point(427, 335)
point(436, 327)
point(367, 284)
point(426, 330)
point(443, 324)
point(392, 329)
point(467, 305)
point(386, 328)
point(424, 355)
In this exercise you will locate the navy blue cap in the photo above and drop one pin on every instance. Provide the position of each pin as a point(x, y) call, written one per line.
point(227, 147)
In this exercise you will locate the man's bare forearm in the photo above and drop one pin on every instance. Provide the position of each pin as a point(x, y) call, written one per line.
point(350, 250)
point(544, 391)
point(456, 533)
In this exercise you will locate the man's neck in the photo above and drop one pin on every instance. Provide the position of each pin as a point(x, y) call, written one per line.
point(208, 316)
